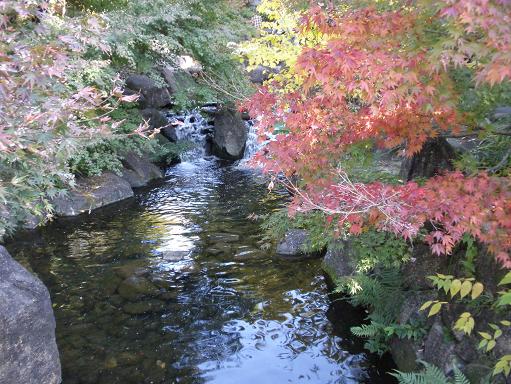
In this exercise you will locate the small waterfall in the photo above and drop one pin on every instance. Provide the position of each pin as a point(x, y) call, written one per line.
point(191, 126)
point(253, 145)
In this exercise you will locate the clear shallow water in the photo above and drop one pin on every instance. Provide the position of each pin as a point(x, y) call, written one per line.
point(173, 287)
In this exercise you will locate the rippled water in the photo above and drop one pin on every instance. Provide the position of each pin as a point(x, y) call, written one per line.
point(173, 287)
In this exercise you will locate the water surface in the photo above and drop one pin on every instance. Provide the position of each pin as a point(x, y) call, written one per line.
point(175, 286)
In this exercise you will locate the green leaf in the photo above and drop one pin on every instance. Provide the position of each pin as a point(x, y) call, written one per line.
point(491, 345)
point(485, 335)
point(506, 279)
point(505, 299)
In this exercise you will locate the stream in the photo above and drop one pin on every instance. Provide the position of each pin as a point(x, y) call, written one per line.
point(173, 286)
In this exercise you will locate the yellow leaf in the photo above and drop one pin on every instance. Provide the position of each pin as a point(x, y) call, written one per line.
point(466, 287)
point(460, 324)
point(469, 326)
point(455, 287)
point(477, 289)
point(425, 305)
point(485, 335)
point(435, 309)
point(491, 345)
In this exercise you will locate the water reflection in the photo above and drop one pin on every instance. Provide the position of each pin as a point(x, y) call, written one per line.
point(172, 287)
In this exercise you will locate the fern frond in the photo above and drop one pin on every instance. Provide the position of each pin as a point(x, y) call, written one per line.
point(459, 377)
point(367, 330)
point(430, 375)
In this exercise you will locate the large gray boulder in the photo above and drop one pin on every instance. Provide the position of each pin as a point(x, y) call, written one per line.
point(139, 172)
point(92, 193)
point(230, 135)
point(339, 260)
point(152, 96)
point(28, 351)
point(156, 119)
point(296, 244)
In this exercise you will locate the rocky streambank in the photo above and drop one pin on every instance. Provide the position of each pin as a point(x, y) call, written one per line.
point(28, 350)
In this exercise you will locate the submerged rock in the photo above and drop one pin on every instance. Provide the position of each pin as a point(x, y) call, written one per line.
point(230, 135)
point(92, 193)
point(295, 245)
point(28, 351)
point(223, 238)
point(247, 253)
point(142, 307)
point(133, 268)
point(136, 286)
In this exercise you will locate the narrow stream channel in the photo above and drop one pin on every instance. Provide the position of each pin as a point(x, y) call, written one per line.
point(172, 287)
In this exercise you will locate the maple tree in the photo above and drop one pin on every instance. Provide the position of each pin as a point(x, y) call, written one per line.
point(44, 118)
point(384, 74)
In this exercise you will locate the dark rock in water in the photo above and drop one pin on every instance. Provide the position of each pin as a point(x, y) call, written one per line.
point(133, 268)
point(230, 135)
point(92, 193)
point(436, 156)
point(152, 95)
point(142, 307)
point(214, 251)
point(155, 118)
point(170, 133)
point(295, 244)
point(136, 286)
point(175, 255)
point(223, 237)
point(139, 172)
point(28, 351)
point(339, 261)
point(247, 253)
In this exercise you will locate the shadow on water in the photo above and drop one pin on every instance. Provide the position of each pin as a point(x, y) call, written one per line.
point(173, 287)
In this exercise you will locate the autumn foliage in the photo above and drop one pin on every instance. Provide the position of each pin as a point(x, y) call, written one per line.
point(385, 75)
